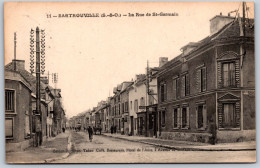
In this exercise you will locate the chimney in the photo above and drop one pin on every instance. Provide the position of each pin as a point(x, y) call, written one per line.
point(20, 64)
point(218, 22)
point(162, 61)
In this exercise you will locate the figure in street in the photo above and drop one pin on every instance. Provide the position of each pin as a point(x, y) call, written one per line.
point(90, 133)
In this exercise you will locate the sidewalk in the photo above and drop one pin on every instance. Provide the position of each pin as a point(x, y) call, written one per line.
point(187, 145)
point(52, 149)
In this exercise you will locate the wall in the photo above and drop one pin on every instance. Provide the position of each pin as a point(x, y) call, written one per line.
point(22, 104)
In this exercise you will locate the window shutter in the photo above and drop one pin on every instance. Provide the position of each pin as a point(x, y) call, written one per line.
point(219, 72)
point(204, 80)
point(197, 116)
point(237, 73)
point(220, 115)
point(188, 117)
point(183, 86)
point(205, 121)
point(187, 85)
point(165, 92)
point(237, 113)
point(199, 80)
point(174, 89)
point(178, 87)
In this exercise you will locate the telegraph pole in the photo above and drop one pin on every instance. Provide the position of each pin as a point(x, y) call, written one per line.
point(38, 87)
point(15, 51)
point(147, 102)
point(39, 49)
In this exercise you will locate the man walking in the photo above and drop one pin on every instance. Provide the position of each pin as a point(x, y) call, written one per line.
point(90, 133)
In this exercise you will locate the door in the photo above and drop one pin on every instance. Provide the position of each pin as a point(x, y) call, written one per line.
point(160, 123)
point(132, 125)
point(154, 124)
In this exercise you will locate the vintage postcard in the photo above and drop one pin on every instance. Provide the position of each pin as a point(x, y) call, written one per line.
point(129, 82)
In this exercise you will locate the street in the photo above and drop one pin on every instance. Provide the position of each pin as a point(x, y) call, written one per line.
point(111, 150)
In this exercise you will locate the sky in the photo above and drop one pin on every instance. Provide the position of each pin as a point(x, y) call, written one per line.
point(94, 54)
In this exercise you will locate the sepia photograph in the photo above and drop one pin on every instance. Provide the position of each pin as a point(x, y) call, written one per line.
point(129, 82)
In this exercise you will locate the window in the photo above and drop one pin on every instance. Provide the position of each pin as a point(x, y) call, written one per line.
point(175, 118)
point(201, 116)
point(228, 74)
point(229, 117)
point(8, 127)
point(9, 100)
point(163, 118)
point(185, 89)
point(126, 106)
point(123, 107)
point(151, 99)
point(136, 105)
point(163, 92)
point(185, 117)
point(174, 89)
point(118, 109)
point(131, 103)
point(135, 123)
point(201, 79)
point(142, 101)
point(27, 124)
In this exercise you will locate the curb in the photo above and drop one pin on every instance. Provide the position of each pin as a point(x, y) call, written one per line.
point(178, 147)
point(65, 155)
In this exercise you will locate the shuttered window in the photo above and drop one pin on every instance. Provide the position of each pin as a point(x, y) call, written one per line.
point(175, 118)
point(228, 74)
point(9, 100)
point(229, 117)
point(174, 89)
point(201, 79)
point(163, 92)
point(201, 116)
point(185, 116)
point(136, 105)
point(126, 106)
point(163, 118)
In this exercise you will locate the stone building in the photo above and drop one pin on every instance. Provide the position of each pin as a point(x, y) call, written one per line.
point(209, 89)
point(18, 112)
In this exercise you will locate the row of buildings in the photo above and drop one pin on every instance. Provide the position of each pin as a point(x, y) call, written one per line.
point(207, 91)
point(21, 124)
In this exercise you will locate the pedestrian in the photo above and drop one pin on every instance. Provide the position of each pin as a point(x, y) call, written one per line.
point(90, 133)
point(115, 129)
point(111, 129)
point(213, 131)
point(63, 130)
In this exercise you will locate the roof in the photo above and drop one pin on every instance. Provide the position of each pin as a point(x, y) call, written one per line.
point(28, 76)
point(216, 36)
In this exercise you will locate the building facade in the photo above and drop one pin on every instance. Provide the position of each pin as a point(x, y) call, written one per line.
point(205, 93)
